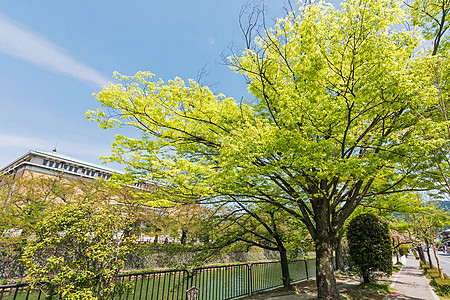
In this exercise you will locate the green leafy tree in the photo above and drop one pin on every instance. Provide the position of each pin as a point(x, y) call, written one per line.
point(370, 248)
point(425, 225)
point(332, 122)
point(432, 18)
point(78, 251)
point(263, 226)
point(24, 201)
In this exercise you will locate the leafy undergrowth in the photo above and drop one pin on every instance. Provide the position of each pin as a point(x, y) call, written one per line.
point(397, 267)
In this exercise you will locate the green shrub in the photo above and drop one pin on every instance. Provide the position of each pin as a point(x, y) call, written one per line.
point(403, 250)
point(442, 286)
point(424, 266)
point(370, 253)
point(433, 273)
point(397, 267)
point(77, 249)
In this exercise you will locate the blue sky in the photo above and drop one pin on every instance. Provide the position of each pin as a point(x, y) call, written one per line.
point(55, 54)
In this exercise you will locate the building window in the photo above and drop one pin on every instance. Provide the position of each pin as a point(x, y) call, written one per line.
point(88, 173)
point(45, 162)
point(75, 169)
point(57, 165)
point(70, 169)
point(51, 164)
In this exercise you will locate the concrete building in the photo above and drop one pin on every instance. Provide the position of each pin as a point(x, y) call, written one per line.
point(54, 163)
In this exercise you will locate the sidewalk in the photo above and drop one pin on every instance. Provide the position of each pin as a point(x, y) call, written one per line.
point(411, 284)
point(408, 284)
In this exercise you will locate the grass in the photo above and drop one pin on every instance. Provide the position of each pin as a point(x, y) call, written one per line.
point(366, 291)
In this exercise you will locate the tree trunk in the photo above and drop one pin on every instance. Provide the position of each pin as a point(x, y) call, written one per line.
point(284, 268)
point(421, 254)
point(326, 282)
point(339, 254)
point(397, 254)
point(366, 278)
point(183, 237)
point(429, 256)
point(441, 275)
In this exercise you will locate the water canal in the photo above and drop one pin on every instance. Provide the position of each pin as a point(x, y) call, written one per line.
point(213, 283)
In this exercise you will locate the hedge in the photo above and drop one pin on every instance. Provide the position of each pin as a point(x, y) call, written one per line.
point(442, 286)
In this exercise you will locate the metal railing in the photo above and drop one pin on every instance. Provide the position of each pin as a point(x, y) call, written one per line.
point(213, 283)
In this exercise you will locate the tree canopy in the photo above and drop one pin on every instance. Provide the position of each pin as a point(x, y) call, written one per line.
point(333, 121)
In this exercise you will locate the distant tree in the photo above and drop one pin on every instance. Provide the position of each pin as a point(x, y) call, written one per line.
point(425, 225)
point(24, 201)
point(29, 198)
point(370, 248)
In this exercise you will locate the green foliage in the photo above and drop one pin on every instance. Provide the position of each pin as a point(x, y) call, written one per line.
point(432, 17)
point(403, 250)
point(78, 251)
point(441, 286)
point(333, 120)
point(433, 273)
point(424, 266)
point(370, 248)
point(397, 267)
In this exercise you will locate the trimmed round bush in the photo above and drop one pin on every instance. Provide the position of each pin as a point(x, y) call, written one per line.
point(370, 248)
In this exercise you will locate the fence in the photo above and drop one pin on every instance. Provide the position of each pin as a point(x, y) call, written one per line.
point(213, 283)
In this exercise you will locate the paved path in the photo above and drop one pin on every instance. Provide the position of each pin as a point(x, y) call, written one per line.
point(411, 284)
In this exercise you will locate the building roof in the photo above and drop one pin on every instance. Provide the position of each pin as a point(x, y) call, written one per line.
point(58, 155)
point(38, 159)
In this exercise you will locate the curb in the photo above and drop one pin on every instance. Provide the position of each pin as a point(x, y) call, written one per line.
point(394, 281)
point(435, 296)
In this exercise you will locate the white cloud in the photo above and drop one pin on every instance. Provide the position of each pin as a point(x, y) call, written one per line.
point(19, 42)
